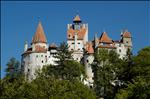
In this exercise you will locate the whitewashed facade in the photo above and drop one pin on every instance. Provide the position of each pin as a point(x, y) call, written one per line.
point(39, 54)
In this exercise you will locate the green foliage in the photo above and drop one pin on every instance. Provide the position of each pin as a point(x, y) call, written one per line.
point(63, 81)
point(13, 68)
point(106, 67)
point(63, 53)
point(70, 70)
point(138, 86)
point(45, 88)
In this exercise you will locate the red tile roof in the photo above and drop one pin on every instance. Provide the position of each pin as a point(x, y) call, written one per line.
point(126, 34)
point(77, 18)
point(105, 39)
point(107, 46)
point(89, 48)
point(39, 35)
point(40, 49)
point(80, 33)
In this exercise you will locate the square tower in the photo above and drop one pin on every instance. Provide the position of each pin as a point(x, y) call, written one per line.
point(77, 36)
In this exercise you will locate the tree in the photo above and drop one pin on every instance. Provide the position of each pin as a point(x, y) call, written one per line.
point(63, 54)
point(13, 68)
point(139, 86)
point(106, 68)
point(44, 87)
point(70, 70)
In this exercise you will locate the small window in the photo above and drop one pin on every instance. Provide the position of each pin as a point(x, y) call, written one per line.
point(126, 41)
point(68, 35)
point(76, 58)
point(49, 56)
point(42, 61)
point(73, 36)
point(72, 49)
point(119, 50)
point(41, 55)
point(45, 55)
point(87, 60)
point(72, 42)
point(78, 42)
point(28, 70)
point(119, 45)
point(36, 56)
point(78, 48)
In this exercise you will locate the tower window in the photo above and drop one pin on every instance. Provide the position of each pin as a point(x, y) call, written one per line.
point(119, 50)
point(119, 45)
point(42, 61)
point(87, 60)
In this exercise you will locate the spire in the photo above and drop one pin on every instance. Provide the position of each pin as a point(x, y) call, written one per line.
point(104, 38)
point(77, 18)
point(126, 34)
point(39, 35)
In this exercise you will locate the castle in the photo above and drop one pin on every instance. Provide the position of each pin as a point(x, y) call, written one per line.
point(40, 53)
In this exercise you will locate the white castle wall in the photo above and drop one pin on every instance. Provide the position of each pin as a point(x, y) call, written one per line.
point(88, 60)
point(33, 61)
point(121, 50)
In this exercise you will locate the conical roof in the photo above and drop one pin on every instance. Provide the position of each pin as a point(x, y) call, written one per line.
point(105, 39)
point(77, 18)
point(39, 35)
point(126, 34)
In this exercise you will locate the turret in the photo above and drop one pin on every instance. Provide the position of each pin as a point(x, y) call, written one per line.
point(95, 40)
point(127, 39)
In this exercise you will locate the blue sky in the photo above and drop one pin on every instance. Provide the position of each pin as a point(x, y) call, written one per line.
point(19, 21)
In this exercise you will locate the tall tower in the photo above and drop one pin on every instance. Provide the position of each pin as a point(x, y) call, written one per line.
point(127, 39)
point(77, 36)
point(34, 57)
